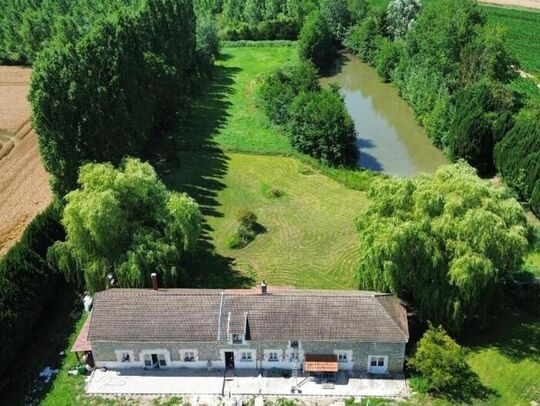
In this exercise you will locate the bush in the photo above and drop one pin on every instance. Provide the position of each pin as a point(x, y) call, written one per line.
point(279, 88)
point(337, 15)
point(443, 366)
point(283, 28)
point(321, 127)
point(247, 230)
point(365, 38)
point(27, 284)
point(316, 42)
point(387, 58)
point(401, 15)
point(274, 193)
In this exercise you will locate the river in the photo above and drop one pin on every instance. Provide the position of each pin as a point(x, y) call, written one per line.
point(389, 137)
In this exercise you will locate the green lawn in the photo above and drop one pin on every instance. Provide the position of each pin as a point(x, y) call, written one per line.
point(507, 359)
point(226, 113)
point(310, 239)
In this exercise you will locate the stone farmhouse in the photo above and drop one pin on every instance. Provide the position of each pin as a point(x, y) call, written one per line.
point(304, 331)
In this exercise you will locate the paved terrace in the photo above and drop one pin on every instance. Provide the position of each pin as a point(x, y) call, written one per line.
point(197, 382)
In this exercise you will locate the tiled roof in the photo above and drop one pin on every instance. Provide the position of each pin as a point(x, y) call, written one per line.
point(282, 314)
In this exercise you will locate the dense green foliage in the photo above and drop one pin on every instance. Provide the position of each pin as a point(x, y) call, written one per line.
point(315, 119)
point(27, 284)
point(483, 116)
point(28, 26)
point(445, 241)
point(126, 223)
point(118, 88)
point(401, 16)
point(442, 363)
point(437, 55)
point(316, 42)
point(321, 127)
point(278, 90)
point(518, 158)
point(246, 231)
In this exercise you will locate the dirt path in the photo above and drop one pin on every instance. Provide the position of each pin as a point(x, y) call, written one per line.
point(514, 3)
point(24, 183)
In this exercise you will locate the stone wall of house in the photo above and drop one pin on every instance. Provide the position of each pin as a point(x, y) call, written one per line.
point(357, 353)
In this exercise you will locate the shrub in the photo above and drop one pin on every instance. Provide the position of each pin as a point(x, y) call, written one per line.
point(401, 15)
point(443, 365)
point(316, 42)
point(283, 28)
point(247, 230)
point(27, 284)
point(321, 127)
point(337, 15)
point(364, 39)
point(274, 192)
point(279, 88)
point(387, 58)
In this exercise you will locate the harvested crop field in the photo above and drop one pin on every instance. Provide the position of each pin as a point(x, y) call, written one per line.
point(514, 3)
point(24, 183)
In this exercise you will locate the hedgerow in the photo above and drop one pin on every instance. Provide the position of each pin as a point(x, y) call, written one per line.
point(27, 284)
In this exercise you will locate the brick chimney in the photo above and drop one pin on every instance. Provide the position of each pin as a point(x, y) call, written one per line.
point(264, 288)
point(155, 286)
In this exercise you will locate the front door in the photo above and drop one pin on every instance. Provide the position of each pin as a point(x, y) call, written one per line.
point(229, 360)
point(155, 361)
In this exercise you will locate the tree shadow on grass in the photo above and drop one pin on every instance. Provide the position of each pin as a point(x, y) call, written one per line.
point(199, 170)
point(514, 332)
point(470, 390)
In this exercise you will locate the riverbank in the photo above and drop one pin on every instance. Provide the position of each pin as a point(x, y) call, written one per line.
point(389, 137)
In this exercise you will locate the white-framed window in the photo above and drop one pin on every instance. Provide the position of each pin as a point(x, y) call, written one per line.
point(155, 358)
point(246, 356)
point(344, 356)
point(273, 356)
point(188, 355)
point(377, 364)
point(124, 356)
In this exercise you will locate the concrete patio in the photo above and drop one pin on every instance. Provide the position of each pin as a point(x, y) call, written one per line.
point(197, 382)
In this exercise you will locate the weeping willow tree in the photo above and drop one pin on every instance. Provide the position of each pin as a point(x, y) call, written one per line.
point(123, 221)
point(444, 241)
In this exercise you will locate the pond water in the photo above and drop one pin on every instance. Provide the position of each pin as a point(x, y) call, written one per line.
point(389, 137)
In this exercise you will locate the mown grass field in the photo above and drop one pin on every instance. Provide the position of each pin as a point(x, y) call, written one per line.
point(309, 239)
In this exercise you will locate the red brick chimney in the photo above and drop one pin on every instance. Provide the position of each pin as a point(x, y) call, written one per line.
point(155, 286)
